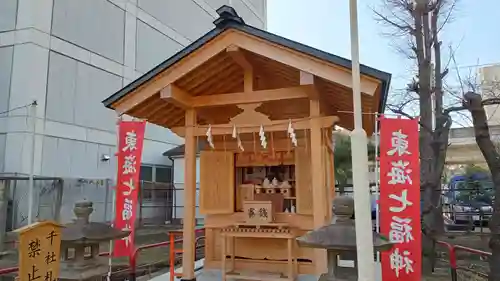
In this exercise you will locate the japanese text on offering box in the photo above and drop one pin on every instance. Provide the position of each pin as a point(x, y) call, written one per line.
point(39, 251)
point(400, 199)
point(131, 137)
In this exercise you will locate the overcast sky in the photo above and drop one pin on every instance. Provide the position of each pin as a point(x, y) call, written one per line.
point(324, 24)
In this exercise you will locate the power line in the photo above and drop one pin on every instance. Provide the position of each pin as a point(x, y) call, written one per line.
point(19, 107)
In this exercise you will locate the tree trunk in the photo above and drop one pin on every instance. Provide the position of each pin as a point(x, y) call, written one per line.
point(473, 102)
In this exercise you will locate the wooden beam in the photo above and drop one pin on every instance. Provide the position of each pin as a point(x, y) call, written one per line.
point(248, 81)
point(307, 78)
point(298, 60)
point(252, 97)
point(318, 183)
point(177, 96)
point(274, 126)
point(239, 57)
point(188, 244)
point(172, 74)
point(317, 67)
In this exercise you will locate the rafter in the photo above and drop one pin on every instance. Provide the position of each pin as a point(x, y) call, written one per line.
point(328, 71)
point(316, 67)
point(239, 57)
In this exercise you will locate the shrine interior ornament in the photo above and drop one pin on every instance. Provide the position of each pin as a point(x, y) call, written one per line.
point(262, 135)
point(210, 139)
point(291, 134)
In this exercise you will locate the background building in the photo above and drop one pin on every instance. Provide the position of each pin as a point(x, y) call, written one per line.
point(490, 84)
point(69, 56)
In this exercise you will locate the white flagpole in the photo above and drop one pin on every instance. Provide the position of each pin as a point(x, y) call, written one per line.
point(359, 142)
point(113, 196)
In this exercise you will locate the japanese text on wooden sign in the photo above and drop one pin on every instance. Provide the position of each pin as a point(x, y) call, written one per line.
point(39, 251)
point(131, 138)
point(400, 198)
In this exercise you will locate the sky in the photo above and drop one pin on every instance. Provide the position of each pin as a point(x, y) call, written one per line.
point(324, 24)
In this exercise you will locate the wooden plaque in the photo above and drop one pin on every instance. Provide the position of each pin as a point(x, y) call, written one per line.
point(39, 251)
point(258, 212)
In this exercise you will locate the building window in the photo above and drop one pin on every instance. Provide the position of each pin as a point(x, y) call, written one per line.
point(146, 173)
point(154, 179)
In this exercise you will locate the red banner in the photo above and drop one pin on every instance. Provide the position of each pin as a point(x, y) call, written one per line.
point(131, 138)
point(400, 199)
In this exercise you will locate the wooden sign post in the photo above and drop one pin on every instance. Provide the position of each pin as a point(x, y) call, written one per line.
point(39, 251)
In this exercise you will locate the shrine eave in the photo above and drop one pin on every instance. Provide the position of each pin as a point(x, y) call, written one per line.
point(224, 24)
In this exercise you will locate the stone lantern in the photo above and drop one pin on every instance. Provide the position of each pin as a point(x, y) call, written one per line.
point(339, 239)
point(80, 241)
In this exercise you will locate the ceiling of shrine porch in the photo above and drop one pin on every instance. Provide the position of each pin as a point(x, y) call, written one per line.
point(223, 75)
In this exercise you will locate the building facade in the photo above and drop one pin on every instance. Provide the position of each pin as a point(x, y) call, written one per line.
point(69, 56)
point(490, 84)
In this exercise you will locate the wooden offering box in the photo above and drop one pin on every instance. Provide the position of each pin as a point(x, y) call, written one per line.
point(258, 212)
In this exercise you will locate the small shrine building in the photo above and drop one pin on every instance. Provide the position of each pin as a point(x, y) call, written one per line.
point(263, 107)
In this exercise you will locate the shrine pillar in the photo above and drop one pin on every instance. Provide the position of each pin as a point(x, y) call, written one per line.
point(188, 244)
point(318, 183)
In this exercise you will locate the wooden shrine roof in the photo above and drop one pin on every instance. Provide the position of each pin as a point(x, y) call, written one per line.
point(205, 68)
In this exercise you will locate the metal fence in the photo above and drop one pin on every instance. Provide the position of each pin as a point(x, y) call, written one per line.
point(157, 203)
point(54, 199)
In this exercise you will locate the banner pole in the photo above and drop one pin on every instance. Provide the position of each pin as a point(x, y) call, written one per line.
point(113, 196)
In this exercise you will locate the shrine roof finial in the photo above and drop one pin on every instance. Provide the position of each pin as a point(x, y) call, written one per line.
point(227, 15)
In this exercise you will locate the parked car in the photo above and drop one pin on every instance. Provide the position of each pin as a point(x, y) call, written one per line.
point(469, 199)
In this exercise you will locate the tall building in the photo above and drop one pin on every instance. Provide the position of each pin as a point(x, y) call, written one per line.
point(490, 87)
point(69, 55)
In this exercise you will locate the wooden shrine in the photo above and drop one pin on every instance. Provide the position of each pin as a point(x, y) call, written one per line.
point(262, 109)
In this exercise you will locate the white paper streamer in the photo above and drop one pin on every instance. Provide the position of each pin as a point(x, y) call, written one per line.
point(262, 135)
point(291, 133)
point(236, 136)
point(209, 137)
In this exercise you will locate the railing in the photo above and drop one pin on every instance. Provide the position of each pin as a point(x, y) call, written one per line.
point(471, 272)
point(133, 259)
point(455, 268)
point(452, 258)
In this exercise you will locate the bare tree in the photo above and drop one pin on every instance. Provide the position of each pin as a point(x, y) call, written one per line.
point(417, 24)
point(473, 102)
